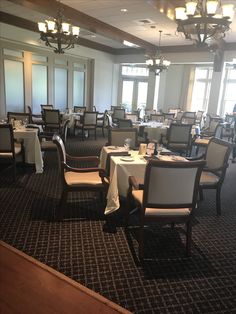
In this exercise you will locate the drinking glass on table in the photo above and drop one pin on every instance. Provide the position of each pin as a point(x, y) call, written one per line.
point(127, 143)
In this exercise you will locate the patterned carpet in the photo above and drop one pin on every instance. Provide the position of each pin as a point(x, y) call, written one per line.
point(166, 282)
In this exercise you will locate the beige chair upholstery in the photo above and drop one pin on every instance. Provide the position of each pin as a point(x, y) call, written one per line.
point(78, 179)
point(18, 116)
point(163, 199)
point(52, 120)
point(179, 138)
point(217, 155)
point(87, 123)
point(117, 137)
point(124, 123)
point(35, 118)
point(132, 116)
point(157, 117)
point(118, 113)
point(79, 109)
point(9, 150)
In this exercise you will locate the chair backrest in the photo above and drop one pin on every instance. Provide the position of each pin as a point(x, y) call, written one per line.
point(179, 115)
point(65, 130)
point(162, 188)
point(117, 136)
point(79, 109)
point(189, 114)
point(132, 116)
point(157, 117)
point(18, 116)
point(199, 115)
point(90, 118)
point(188, 120)
point(169, 115)
point(115, 107)
point(179, 133)
point(46, 107)
point(124, 123)
point(213, 126)
point(119, 113)
point(217, 154)
point(51, 116)
point(6, 139)
point(61, 153)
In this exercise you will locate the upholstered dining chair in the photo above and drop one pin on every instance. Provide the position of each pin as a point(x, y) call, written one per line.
point(204, 138)
point(124, 123)
point(9, 149)
point(179, 138)
point(79, 109)
point(35, 118)
point(87, 123)
point(118, 113)
point(52, 120)
point(157, 117)
point(216, 157)
point(117, 136)
point(46, 141)
point(163, 199)
point(78, 179)
point(23, 117)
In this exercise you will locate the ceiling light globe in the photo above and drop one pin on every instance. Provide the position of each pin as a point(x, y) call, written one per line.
point(42, 27)
point(51, 25)
point(65, 27)
point(75, 30)
point(228, 11)
point(211, 7)
point(191, 7)
point(180, 13)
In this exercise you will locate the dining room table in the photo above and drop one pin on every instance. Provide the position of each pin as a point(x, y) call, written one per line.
point(33, 154)
point(121, 167)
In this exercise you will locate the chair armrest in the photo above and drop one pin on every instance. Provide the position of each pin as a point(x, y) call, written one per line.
point(196, 158)
point(83, 158)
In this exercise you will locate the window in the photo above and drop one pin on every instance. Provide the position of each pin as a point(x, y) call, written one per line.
point(201, 88)
point(228, 95)
point(60, 88)
point(39, 86)
point(14, 85)
point(134, 71)
point(78, 88)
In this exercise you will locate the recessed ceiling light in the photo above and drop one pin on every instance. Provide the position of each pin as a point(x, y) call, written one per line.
point(93, 36)
point(123, 10)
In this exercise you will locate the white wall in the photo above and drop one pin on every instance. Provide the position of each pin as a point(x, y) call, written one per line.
point(105, 74)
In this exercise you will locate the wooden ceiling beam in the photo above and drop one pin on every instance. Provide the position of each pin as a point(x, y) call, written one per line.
point(31, 26)
point(49, 8)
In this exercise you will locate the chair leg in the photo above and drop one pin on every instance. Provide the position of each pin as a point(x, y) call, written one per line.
point(200, 193)
point(59, 214)
point(188, 238)
point(218, 201)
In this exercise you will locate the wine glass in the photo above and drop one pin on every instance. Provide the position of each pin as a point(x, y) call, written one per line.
point(127, 143)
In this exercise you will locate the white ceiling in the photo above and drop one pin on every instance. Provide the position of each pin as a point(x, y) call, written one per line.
point(109, 11)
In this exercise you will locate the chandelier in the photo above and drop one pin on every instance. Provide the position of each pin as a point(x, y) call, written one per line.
point(157, 63)
point(57, 34)
point(204, 21)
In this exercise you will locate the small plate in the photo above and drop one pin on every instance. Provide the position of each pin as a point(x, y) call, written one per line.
point(127, 158)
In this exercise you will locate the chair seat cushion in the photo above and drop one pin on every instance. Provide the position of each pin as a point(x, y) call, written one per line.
point(202, 141)
point(48, 145)
point(9, 155)
point(83, 178)
point(208, 178)
point(138, 196)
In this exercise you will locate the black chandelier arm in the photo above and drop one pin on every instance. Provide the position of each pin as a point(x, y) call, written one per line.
point(63, 41)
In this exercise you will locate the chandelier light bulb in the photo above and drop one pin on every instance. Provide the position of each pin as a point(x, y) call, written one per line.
point(191, 7)
point(75, 30)
point(211, 7)
point(180, 13)
point(51, 25)
point(65, 27)
point(228, 11)
point(42, 27)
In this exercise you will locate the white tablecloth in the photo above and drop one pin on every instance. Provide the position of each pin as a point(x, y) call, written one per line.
point(120, 171)
point(33, 154)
